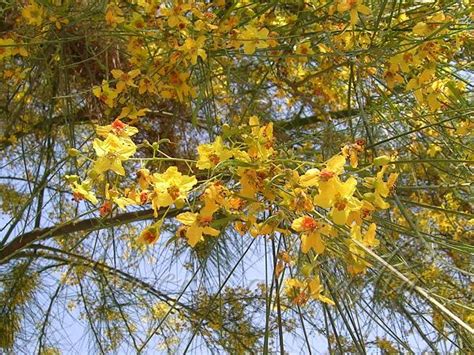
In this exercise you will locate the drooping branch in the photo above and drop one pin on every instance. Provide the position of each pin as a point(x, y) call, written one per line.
point(71, 258)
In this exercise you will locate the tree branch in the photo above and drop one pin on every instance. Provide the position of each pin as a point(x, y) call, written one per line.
point(298, 121)
point(24, 240)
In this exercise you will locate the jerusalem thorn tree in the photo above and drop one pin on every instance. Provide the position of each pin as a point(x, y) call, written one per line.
point(236, 176)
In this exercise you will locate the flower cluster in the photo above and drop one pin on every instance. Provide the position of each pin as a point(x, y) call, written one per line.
point(250, 188)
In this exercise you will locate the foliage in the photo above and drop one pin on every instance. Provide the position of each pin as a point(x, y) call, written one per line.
point(237, 176)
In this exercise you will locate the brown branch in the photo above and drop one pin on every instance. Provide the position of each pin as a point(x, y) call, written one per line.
point(24, 240)
point(298, 122)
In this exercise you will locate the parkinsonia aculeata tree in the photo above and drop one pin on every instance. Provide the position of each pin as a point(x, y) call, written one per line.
point(236, 176)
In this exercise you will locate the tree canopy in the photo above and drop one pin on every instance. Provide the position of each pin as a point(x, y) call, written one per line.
point(236, 176)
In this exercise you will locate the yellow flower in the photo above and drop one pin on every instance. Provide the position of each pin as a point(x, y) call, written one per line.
point(111, 152)
point(194, 49)
point(300, 291)
point(339, 196)
point(392, 78)
point(418, 82)
point(312, 241)
point(336, 164)
point(354, 7)
point(170, 187)
point(212, 154)
point(124, 79)
point(370, 236)
point(214, 197)
point(82, 191)
point(179, 82)
point(310, 178)
point(114, 196)
point(118, 128)
point(363, 212)
point(315, 291)
point(150, 234)
point(304, 51)
point(33, 13)
point(137, 21)
point(433, 150)
point(356, 259)
point(333, 189)
point(304, 224)
point(144, 178)
point(132, 113)
point(422, 29)
point(114, 15)
point(297, 200)
point(261, 140)
point(311, 234)
point(382, 160)
point(253, 39)
point(334, 167)
point(352, 152)
point(160, 309)
point(427, 28)
point(146, 84)
point(404, 61)
point(369, 239)
point(105, 93)
point(58, 22)
point(296, 291)
point(381, 188)
point(343, 206)
point(176, 15)
point(248, 182)
point(197, 226)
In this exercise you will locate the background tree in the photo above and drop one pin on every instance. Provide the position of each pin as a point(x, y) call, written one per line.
point(282, 176)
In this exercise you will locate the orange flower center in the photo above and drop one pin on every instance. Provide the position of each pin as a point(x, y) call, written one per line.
point(204, 220)
point(408, 57)
point(341, 205)
point(77, 196)
point(105, 209)
point(325, 175)
point(301, 298)
point(174, 192)
point(214, 158)
point(309, 223)
point(365, 212)
point(149, 237)
point(352, 3)
point(174, 79)
point(118, 125)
